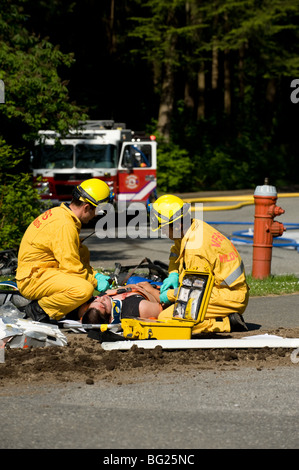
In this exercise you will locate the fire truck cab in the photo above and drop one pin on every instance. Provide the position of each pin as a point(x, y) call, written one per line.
point(100, 149)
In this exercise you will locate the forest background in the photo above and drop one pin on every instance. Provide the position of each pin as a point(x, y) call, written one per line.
point(216, 81)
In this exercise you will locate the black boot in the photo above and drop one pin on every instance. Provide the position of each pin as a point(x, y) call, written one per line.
point(36, 313)
point(237, 323)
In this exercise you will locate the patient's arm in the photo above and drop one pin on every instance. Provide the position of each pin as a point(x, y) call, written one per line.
point(148, 289)
point(149, 309)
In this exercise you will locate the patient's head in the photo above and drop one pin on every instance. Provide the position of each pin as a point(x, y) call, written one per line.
point(93, 315)
point(99, 311)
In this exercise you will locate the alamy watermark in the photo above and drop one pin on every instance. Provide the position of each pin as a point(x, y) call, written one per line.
point(134, 220)
point(295, 356)
point(295, 93)
point(2, 92)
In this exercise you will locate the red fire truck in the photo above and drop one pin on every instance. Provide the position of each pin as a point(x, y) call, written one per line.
point(100, 149)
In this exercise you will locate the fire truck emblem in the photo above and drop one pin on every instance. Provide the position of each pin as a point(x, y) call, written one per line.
point(131, 181)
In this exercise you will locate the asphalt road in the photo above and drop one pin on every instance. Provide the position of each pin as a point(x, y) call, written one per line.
point(234, 409)
point(242, 409)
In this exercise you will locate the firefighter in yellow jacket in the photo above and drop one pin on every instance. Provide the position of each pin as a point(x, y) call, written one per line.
point(197, 245)
point(53, 266)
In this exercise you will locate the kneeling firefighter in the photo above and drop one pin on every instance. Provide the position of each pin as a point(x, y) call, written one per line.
point(197, 245)
point(53, 266)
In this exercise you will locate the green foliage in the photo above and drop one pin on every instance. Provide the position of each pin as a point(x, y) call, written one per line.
point(174, 168)
point(158, 29)
point(19, 201)
point(259, 40)
point(35, 93)
point(35, 98)
point(240, 162)
point(138, 43)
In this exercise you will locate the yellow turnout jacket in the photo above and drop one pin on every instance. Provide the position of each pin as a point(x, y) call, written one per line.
point(52, 241)
point(204, 248)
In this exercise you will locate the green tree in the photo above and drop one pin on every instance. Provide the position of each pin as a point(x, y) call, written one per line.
point(240, 59)
point(19, 201)
point(215, 76)
point(35, 97)
point(174, 168)
point(160, 30)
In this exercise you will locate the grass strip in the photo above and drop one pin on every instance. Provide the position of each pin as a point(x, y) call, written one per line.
point(273, 285)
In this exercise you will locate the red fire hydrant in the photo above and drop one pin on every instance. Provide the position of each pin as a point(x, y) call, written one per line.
point(265, 229)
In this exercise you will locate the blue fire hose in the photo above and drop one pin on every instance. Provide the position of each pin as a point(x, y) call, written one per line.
point(248, 237)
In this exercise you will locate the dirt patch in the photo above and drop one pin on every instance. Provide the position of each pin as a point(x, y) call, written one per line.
point(84, 359)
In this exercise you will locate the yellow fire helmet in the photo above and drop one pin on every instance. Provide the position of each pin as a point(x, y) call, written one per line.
point(94, 191)
point(166, 210)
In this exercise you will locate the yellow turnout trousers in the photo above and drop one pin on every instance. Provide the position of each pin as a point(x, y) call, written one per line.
point(222, 303)
point(211, 323)
point(57, 293)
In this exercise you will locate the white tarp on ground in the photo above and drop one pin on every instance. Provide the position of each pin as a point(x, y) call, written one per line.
point(256, 341)
point(21, 333)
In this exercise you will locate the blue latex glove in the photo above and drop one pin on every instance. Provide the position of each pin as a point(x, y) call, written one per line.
point(171, 282)
point(103, 282)
point(164, 298)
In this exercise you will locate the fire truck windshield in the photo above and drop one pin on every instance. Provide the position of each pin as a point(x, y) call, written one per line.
point(82, 155)
point(96, 156)
point(53, 156)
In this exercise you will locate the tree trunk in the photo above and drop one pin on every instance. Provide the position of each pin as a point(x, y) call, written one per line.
point(214, 79)
point(271, 90)
point(201, 90)
point(167, 93)
point(241, 72)
point(269, 108)
point(226, 72)
point(188, 98)
point(188, 90)
point(166, 103)
point(227, 84)
point(112, 38)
